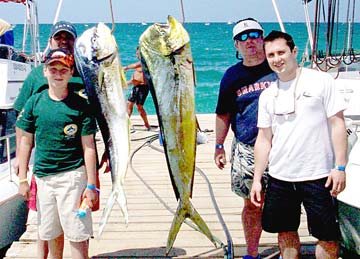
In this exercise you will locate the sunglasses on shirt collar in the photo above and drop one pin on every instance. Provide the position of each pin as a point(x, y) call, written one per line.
point(246, 35)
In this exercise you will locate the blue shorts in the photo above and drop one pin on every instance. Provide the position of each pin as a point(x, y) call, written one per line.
point(138, 94)
point(282, 208)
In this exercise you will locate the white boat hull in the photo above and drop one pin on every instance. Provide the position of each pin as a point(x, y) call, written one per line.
point(349, 203)
point(13, 74)
point(13, 208)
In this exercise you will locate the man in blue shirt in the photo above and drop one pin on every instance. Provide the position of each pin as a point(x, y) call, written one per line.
point(237, 106)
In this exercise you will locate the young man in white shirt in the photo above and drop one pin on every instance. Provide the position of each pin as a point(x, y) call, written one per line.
point(302, 135)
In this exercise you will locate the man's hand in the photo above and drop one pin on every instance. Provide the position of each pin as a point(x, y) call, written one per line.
point(92, 197)
point(24, 190)
point(255, 194)
point(338, 181)
point(15, 166)
point(220, 158)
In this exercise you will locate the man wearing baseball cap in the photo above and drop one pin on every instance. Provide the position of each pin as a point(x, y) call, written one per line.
point(63, 35)
point(237, 107)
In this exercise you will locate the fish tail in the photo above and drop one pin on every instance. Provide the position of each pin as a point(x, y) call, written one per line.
point(185, 210)
point(106, 212)
point(120, 199)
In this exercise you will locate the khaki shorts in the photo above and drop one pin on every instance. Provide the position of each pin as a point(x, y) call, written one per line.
point(58, 201)
point(242, 169)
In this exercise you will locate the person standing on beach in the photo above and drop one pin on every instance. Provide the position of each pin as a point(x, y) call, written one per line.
point(139, 91)
point(237, 106)
point(65, 157)
point(302, 137)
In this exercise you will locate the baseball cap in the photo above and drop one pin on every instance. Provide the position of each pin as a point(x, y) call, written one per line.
point(63, 26)
point(60, 55)
point(246, 25)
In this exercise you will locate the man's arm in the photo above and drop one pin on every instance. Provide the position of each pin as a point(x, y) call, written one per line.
point(339, 140)
point(23, 156)
point(222, 124)
point(132, 66)
point(129, 82)
point(88, 145)
point(261, 152)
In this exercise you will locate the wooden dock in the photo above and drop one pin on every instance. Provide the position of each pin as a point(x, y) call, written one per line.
point(151, 204)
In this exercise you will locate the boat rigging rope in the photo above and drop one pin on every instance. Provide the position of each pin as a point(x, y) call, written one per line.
point(333, 58)
point(228, 250)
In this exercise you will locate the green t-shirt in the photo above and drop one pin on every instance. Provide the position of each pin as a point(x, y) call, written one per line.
point(58, 127)
point(35, 82)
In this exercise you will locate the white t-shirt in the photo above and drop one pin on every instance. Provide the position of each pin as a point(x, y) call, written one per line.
point(301, 145)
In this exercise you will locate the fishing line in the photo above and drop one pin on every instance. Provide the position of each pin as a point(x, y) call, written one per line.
point(148, 143)
point(228, 253)
point(143, 138)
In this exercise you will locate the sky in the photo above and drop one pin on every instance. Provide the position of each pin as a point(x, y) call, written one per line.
point(93, 11)
point(125, 11)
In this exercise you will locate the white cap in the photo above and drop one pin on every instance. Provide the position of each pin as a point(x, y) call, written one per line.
point(246, 25)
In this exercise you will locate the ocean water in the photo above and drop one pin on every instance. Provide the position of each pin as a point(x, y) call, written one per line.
point(212, 49)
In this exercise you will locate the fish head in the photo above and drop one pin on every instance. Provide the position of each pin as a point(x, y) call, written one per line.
point(83, 44)
point(104, 43)
point(165, 38)
point(97, 44)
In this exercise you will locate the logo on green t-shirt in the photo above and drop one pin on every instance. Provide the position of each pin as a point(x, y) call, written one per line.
point(70, 130)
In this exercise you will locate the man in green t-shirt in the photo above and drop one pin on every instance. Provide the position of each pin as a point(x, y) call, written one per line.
point(63, 35)
point(65, 157)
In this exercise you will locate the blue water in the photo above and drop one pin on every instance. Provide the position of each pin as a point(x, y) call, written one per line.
point(212, 48)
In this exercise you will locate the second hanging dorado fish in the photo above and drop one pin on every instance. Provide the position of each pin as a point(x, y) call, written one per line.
point(168, 67)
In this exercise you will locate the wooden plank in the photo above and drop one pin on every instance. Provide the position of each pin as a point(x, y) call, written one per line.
point(151, 204)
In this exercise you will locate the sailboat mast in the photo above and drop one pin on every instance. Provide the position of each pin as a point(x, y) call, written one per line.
point(278, 15)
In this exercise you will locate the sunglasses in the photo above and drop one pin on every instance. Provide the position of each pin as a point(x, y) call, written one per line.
point(251, 35)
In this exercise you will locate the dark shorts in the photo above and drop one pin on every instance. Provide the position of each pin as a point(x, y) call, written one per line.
point(138, 94)
point(282, 208)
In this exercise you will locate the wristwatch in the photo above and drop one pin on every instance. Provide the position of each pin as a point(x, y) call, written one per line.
point(219, 146)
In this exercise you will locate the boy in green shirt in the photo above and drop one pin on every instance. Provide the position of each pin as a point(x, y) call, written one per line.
point(65, 157)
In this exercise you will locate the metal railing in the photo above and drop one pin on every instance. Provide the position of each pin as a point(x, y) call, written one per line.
point(8, 153)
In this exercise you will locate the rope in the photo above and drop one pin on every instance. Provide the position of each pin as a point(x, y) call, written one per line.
point(229, 252)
